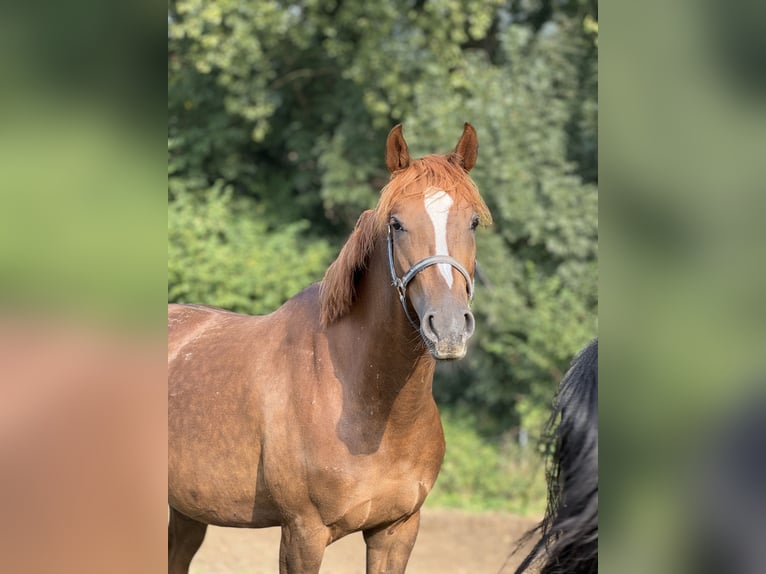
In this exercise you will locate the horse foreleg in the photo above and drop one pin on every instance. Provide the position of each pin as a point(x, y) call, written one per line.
point(185, 536)
point(389, 547)
point(302, 546)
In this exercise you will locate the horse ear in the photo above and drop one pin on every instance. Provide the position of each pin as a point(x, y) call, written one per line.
point(397, 154)
point(337, 291)
point(467, 149)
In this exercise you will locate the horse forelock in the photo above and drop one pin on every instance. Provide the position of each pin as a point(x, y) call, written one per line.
point(436, 172)
point(429, 173)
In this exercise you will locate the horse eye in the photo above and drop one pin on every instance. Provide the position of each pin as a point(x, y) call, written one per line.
point(396, 225)
point(474, 223)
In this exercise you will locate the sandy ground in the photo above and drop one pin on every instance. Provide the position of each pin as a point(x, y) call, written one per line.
point(450, 542)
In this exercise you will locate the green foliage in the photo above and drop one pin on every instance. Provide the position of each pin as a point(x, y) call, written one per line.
point(539, 259)
point(286, 106)
point(481, 474)
point(221, 254)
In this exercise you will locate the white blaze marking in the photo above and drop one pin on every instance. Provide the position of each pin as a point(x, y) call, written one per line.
point(437, 205)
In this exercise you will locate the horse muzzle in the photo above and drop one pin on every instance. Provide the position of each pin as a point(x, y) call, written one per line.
point(446, 332)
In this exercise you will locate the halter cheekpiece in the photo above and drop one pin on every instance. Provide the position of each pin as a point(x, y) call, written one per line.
point(401, 283)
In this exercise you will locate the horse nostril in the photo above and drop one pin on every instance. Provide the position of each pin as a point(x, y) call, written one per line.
point(470, 324)
point(436, 327)
point(428, 328)
point(431, 326)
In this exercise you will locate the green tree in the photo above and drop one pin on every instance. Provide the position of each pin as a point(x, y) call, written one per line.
point(220, 252)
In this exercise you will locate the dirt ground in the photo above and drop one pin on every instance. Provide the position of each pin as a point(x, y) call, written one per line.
point(450, 542)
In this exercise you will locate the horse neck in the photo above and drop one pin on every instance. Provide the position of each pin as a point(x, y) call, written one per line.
point(380, 354)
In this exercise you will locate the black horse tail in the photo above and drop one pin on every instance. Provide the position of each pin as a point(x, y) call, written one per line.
point(569, 530)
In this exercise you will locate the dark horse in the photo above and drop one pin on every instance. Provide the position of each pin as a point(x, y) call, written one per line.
point(319, 417)
point(569, 530)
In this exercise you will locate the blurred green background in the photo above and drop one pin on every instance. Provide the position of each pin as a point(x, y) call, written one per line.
point(277, 118)
point(683, 320)
point(82, 156)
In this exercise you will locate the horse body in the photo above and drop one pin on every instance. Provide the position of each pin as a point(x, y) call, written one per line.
point(331, 393)
point(319, 417)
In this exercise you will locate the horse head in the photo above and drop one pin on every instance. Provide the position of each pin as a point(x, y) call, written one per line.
point(431, 210)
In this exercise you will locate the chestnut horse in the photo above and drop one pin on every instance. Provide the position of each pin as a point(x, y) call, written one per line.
point(320, 417)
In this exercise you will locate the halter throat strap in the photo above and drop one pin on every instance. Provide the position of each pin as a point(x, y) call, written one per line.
point(401, 283)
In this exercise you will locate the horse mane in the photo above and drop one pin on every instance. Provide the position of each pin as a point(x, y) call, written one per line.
point(569, 530)
point(338, 288)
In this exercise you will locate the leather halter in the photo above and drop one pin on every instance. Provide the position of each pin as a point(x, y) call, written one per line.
point(401, 283)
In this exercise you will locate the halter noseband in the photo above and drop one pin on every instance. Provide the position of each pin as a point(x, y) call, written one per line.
point(401, 283)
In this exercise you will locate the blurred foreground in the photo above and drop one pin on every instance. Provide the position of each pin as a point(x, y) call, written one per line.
point(83, 449)
point(683, 323)
point(82, 289)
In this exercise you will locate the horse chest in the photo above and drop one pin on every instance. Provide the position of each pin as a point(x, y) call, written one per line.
point(364, 506)
point(351, 499)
